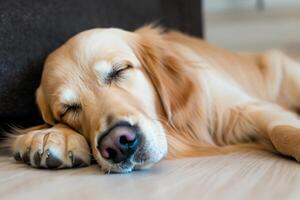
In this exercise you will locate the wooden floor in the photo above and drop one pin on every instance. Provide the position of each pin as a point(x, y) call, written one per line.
point(255, 175)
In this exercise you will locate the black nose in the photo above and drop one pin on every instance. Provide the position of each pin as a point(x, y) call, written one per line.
point(119, 143)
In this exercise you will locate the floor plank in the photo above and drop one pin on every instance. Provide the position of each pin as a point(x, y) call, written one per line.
point(255, 175)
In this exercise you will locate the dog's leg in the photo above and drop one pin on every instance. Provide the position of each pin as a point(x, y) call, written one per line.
point(282, 72)
point(270, 122)
point(51, 147)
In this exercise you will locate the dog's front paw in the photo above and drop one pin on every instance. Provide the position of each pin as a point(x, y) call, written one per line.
point(56, 147)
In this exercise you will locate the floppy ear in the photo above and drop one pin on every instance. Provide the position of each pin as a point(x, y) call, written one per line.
point(44, 107)
point(166, 69)
point(178, 88)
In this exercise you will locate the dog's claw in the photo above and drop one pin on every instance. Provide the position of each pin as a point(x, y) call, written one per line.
point(51, 161)
point(78, 162)
point(17, 157)
point(26, 156)
point(37, 159)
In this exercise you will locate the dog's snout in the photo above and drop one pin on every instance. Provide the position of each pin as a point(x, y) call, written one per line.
point(119, 143)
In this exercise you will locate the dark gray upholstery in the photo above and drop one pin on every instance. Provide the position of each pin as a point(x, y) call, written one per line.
point(31, 29)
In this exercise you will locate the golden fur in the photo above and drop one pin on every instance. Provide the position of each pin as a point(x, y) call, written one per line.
point(207, 100)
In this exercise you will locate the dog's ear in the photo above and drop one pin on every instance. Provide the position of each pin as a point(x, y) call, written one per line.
point(44, 107)
point(166, 70)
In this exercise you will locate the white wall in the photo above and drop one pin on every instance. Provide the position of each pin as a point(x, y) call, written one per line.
point(212, 6)
point(238, 25)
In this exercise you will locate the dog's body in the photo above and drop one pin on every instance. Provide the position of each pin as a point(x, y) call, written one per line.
point(174, 91)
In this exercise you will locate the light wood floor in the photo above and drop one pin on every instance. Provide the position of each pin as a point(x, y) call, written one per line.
point(255, 175)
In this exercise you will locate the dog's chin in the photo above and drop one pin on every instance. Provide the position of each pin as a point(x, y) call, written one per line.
point(141, 160)
point(127, 167)
point(124, 167)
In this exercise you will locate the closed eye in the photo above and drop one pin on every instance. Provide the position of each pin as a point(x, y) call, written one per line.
point(70, 108)
point(116, 73)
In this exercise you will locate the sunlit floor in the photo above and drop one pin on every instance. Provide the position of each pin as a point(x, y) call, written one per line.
point(255, 175)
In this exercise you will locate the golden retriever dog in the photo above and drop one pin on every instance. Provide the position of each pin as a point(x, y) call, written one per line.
point(129, 99)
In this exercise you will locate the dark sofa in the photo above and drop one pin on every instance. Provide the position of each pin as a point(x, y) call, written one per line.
point(31, 29)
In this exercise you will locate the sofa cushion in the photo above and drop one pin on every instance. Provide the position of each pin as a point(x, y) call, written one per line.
point(31, 29)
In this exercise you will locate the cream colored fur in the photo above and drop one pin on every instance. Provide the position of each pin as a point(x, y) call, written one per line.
point(189, 98)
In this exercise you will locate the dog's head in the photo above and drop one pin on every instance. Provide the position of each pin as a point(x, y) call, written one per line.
point(119, 89)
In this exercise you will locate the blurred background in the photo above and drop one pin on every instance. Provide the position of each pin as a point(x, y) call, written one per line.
point(254, 25)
